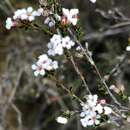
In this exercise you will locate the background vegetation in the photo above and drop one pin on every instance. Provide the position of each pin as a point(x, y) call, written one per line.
point(38, 101)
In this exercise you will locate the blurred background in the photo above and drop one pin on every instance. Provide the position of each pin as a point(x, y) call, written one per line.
point(29, 103)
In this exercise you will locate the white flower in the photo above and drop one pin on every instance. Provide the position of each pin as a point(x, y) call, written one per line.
point(67, 43)
point(44, 64)
point(129, 98)
point(47, 63)
point(44, 61)
point(90, 120)
point(107, 110)
point(99, 109)
point(128, 119)
point(23, 16)
point(9, 23)
point(70, 15)
point(83, 114)
point(59, 49)
point(26, 14)
point(66, 12)
point(58, 43)
point(51, 50)
point(43, 57)
point(29, 9)
point(92, 111)
point(58, 18)
point(128, 48)
point(40, 11)
point(38, 70)
point(86, 122)
point(74, 17)
point(55, 64)
point(30, 17)
point(49, 21)
point(92, 100)
point(18, 13)
point(61, 120)
point(93, 1)
point(55, 46)
point(78, 48)
point(51, 24)
point(56, 38)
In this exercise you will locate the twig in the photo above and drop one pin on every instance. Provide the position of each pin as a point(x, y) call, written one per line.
point(117, 67)
point(19, 115)
point(36, 27)
point(115, 14)
point(76, 67)
point(59, 83)
point(119, 28)
point(11, 97)
point(89, 58)
point(78, 72)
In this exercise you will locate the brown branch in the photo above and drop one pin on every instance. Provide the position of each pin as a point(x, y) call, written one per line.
point(117, 67)
point(63, 87)
point(78, 72)
point(10, 101)
point(19, 115)
point(120, 28)
point(91, 61)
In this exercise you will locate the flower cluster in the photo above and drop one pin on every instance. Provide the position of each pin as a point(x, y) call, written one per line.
point(93, 110)
point(69, 16)
point(10, 23)
point(28, 14)
point(58, 43)
point(44, 64)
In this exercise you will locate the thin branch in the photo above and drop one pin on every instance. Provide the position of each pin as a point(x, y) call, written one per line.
point(117, 67)
point(19, 115)
point(89, 58)
point(11, 97)
point(60, 84)
point(78, 72)
point(76, 67)
point(119, 28)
